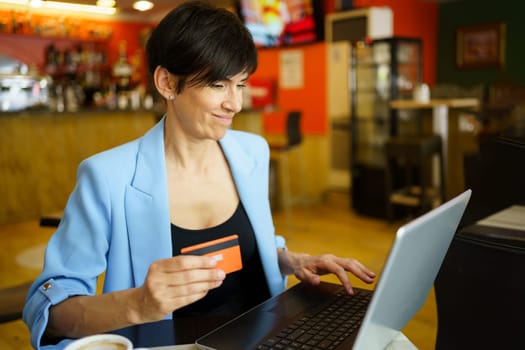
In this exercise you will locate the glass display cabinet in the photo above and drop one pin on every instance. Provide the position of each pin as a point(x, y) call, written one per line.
point(383, 70)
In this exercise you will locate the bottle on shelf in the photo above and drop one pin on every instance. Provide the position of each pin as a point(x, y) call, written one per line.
point(122, 70)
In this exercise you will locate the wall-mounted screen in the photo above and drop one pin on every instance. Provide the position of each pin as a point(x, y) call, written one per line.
point(283, 22)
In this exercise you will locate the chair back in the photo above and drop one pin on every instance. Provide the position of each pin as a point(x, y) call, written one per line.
point(293, 128)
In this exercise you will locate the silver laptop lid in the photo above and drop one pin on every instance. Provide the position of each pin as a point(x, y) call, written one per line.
point(409, 273)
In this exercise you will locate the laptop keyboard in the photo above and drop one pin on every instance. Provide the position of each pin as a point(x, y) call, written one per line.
point(337, 320)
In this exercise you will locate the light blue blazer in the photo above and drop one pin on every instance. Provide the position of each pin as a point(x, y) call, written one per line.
point(117, 221)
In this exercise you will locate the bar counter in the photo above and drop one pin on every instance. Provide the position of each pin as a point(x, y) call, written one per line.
point(41, 150)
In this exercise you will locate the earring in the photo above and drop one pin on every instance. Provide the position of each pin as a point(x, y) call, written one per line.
point(171, 97)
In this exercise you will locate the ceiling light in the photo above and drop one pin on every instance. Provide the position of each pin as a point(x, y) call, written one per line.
point(62, 6)
point(36, 3)
point(142, 5)
point(14, 2)
point(67, 6)
point(106, 3)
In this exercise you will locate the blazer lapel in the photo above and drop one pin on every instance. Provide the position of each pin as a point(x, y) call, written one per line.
point(248, 176)
point(146, 205)
point(243, 170)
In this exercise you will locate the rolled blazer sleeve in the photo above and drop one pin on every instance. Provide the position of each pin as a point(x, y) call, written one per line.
point(75, 255)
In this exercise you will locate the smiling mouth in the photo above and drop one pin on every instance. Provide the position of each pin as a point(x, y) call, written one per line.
point(225, 119)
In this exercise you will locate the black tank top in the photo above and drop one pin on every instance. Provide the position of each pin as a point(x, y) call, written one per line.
point(241, 290)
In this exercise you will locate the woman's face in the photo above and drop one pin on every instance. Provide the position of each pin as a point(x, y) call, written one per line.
point(206, 112)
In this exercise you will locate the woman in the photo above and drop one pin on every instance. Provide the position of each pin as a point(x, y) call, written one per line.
point(188, 180)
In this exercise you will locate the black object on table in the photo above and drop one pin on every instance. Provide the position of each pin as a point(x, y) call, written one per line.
point(50, 220)
point(480, 287)
point(480, 290)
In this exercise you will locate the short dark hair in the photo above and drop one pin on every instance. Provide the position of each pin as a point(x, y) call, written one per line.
point(202, 43)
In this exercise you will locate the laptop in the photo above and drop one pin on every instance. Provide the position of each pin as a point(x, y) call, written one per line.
point(414, 260)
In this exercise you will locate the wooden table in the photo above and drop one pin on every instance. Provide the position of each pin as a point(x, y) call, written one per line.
point(445, 120)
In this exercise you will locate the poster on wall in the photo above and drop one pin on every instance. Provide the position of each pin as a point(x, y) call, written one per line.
point(481, 46)
point(291, 69)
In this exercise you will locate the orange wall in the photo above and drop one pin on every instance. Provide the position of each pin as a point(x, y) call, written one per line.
point(310, 99)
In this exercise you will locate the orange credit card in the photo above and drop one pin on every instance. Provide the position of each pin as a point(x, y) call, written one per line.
point(226, 251)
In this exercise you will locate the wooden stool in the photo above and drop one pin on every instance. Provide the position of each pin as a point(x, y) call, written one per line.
point(279, 158)
point(412, 156)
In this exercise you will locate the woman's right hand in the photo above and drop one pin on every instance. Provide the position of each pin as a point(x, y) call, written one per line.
point(173, 283)
point(170, 284)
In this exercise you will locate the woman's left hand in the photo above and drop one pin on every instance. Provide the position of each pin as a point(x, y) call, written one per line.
point(308, 268)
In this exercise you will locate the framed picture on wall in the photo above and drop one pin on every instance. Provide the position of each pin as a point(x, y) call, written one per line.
point(481, 46)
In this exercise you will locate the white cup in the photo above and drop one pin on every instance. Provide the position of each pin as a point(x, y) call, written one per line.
point(101, 342)
point(421, 93)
